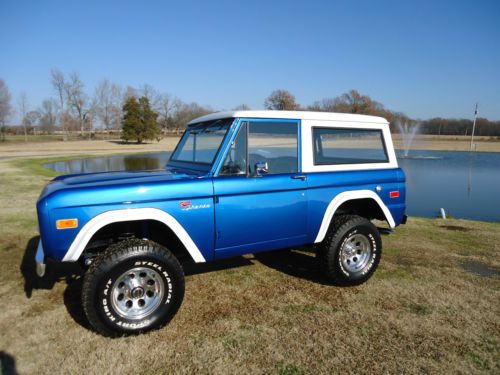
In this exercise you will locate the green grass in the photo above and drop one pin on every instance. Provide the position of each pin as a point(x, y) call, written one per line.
point(289, 370)
point(35, 166)
point(477, 361)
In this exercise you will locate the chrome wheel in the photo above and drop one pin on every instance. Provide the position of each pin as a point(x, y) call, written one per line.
point(137, 293)
point(356, 253)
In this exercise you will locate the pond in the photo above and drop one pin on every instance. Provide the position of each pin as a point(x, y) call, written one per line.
point(466, 185)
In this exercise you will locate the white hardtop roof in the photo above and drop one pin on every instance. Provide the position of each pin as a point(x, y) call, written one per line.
point(295, 115)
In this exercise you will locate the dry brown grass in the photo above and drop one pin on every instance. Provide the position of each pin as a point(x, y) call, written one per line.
point(269, 313)
point(449, 143)
point(10, 151)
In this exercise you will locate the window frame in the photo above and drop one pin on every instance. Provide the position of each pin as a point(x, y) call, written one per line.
point(352, 129)
point(237, 132)
point(249, 120)
point(217, 152)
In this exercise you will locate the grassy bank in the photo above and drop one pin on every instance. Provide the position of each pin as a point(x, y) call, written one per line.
point(432, 307)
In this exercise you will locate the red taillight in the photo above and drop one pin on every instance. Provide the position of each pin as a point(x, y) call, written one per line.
point(394, 194)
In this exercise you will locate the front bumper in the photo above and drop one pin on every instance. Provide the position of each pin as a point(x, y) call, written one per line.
point(40, 260)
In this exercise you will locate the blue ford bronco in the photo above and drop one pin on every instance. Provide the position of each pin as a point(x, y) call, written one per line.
point(237, 183)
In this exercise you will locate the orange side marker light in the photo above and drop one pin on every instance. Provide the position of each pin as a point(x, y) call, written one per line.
point(66, 223)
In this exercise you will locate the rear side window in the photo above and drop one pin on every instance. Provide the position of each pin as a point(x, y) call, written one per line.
point(348, 146)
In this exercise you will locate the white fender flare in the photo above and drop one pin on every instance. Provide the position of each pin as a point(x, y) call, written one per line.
point(348, 196)
point(131, 214)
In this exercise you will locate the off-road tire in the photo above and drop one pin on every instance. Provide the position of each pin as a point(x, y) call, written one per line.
point(347, 232)
point(153, 265)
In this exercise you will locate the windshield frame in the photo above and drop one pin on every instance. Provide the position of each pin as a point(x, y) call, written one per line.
point(197, 165)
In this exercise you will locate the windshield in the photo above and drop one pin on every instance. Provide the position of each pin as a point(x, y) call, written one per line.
point(201, 141)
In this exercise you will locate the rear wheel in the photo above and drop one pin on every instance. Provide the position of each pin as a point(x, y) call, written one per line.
point(133, 287)
point(351, 252)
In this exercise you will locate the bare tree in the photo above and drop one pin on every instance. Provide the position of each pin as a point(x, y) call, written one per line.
point(107, 104)
point(77, 100)
point(32, 118)
point(23, 110)
point(241, 107)
point(5, 107)
point(350, 102)
point(354, 102)
point(59, 84)
point(152, 95)
point(281, 100)
point(166, 108)
point(48, 115)
point(185, 113)
point(128, 93)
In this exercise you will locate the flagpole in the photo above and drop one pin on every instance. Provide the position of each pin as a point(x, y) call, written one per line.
point(473, 129)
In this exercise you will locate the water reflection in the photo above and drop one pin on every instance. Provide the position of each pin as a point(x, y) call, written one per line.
point(112, 163)
point(134, 163)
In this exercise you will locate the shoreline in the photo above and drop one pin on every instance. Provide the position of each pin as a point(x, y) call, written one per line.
point(15, 150)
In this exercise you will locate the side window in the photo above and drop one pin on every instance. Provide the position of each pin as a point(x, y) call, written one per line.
point(271, 142)
point(274, 143)
point(348, 146)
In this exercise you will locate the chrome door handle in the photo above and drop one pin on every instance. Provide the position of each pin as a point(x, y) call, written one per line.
point(299, 177)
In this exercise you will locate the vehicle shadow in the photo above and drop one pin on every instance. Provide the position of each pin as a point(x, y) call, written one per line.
point(73, 301)
point(122, 142)
point(190, 268)
point(7, 364)
point(56, 272)
point(72, 274)
point(300, 263)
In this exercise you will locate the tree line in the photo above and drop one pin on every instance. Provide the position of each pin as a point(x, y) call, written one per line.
point(354, 102)
point(145, 113)
point(72, 109)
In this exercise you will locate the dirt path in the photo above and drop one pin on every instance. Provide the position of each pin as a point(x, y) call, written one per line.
point(17, 150)
point(448, 143)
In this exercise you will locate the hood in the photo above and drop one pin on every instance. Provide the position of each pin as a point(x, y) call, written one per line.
point(120, 176)
point(108, 180)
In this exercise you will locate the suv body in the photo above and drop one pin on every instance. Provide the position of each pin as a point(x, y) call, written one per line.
point(237, 183)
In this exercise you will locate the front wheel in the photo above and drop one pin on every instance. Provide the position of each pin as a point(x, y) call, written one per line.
point(133, 287)
point(351, 252)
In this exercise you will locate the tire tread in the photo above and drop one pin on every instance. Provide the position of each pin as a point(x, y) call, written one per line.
point(326, 251)
point(111, 256)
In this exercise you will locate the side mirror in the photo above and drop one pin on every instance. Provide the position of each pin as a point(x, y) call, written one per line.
point(261, 168)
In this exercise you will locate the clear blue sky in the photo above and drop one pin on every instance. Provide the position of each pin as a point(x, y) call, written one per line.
point(424, 58)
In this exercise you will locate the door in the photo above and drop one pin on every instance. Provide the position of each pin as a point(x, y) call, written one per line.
point(260, 194)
